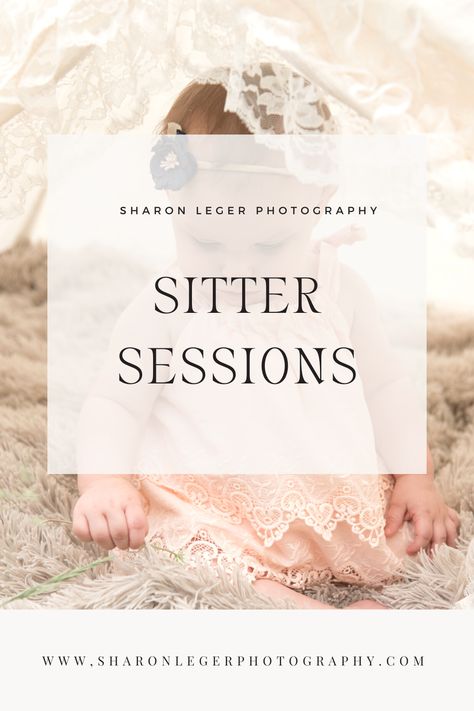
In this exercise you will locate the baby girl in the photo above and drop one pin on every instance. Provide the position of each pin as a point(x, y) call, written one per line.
point(285, 532)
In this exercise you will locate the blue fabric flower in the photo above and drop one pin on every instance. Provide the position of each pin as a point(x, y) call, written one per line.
point(172, 165)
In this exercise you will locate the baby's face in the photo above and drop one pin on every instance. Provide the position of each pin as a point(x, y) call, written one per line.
point(216, 247)
point(229, 231)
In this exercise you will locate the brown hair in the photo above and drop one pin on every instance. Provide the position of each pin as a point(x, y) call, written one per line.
point(199, 108)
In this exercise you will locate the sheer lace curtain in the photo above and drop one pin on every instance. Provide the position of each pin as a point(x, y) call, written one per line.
point(72, 66)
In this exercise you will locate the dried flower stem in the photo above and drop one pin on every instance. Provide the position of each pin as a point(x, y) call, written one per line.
point(51, 584)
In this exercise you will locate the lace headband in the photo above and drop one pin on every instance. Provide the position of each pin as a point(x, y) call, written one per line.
point(172, 165)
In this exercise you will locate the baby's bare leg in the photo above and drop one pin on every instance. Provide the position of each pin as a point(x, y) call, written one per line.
point(366, 605)
point(278, 591)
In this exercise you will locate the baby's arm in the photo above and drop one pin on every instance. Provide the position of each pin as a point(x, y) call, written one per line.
point(110, 510)
point(387, 388)
point(415, 496)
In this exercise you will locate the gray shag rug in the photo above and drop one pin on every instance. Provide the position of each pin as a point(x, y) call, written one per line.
point(36, 542)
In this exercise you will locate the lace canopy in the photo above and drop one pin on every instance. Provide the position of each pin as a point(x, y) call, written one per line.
point(380, 66)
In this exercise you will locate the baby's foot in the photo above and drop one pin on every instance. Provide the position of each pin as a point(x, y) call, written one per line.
point(366, 605)
point(278, 591)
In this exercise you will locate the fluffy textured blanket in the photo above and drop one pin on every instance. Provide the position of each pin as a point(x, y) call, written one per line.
point(36, 542)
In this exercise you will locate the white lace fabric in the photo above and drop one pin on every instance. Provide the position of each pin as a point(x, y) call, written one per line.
point(98, 65)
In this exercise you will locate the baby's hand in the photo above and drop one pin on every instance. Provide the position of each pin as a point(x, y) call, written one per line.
point(416, 498)
point(111, 513)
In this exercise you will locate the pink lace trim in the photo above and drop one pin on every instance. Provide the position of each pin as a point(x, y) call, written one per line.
point(201, 549)
point(272, 503)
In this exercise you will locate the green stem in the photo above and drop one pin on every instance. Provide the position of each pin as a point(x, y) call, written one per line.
point(51, 584)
